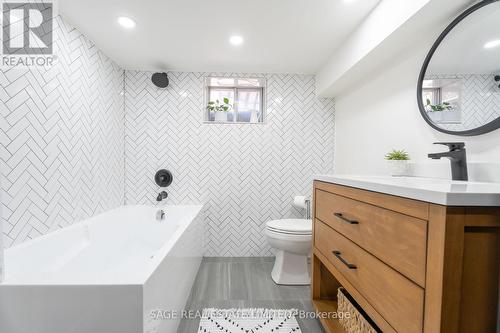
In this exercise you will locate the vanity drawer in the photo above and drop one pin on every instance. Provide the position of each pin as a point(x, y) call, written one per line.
point(397, 299)
point(410, 207)
point(397, 239)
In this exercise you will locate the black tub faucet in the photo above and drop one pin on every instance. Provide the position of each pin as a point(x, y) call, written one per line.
point(458, 159)
point(162, 195)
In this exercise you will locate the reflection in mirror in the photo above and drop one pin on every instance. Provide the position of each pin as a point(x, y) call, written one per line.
point(461, 87)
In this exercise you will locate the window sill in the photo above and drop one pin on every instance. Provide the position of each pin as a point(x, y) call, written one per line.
point(232, 122)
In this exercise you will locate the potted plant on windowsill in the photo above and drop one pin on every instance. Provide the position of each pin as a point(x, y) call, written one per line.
point(398, 162)
point(219, 109)
point(438, 112)
point(445, 106)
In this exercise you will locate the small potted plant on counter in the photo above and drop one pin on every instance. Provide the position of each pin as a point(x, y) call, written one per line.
point(219, 109)
point(398, 162)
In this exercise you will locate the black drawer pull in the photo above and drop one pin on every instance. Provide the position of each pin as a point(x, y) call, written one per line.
point(338, 254)
point(340, 216)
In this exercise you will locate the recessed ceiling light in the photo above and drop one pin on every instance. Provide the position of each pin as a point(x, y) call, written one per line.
point(236, 40)
point(492, 44)
point(126, 22)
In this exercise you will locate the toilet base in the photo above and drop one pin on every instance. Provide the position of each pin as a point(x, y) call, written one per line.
point(290, 269)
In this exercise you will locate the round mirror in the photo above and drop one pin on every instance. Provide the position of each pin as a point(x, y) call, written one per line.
point(459, 84)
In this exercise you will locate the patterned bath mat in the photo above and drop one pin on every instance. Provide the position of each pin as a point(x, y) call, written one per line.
point(248, 321)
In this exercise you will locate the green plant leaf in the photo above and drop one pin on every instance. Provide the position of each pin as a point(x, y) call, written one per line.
point(439, 107)
point(397, 155)
point(226, 100)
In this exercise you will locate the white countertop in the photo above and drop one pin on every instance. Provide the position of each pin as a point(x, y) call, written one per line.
point(438, 191)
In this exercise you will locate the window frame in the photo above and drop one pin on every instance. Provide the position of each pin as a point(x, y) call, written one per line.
point(207, 88)
point(436, 94)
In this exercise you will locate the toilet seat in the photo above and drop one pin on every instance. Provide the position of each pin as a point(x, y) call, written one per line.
point(288, 232)
point(290, 226)
point(279, 235)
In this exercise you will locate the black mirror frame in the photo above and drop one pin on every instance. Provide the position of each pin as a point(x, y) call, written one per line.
point(491, 126)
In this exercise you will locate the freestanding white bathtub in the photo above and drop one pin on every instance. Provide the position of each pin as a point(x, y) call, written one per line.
point(105, 274)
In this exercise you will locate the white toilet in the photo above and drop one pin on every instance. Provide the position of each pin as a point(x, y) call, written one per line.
point(292, 238)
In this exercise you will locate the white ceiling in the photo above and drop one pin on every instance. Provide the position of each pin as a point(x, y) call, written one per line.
point(281, 36)
point(463, 52)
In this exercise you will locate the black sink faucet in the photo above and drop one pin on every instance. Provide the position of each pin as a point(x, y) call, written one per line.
point(162, 195)
point(458, 159)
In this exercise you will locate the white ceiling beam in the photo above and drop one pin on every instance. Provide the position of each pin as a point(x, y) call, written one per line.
point(388, 31)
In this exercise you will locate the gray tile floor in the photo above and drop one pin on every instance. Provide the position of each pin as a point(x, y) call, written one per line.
point(244, 283)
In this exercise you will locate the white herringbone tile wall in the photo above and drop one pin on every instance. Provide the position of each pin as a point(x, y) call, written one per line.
point(61, 139)
point(246, 174)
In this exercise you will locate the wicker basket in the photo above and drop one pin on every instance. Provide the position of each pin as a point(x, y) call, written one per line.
point(355, 322)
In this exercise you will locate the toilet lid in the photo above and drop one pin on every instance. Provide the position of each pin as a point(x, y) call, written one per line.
point(295, 226)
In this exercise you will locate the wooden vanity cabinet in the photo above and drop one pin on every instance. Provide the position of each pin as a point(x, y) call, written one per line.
point(412, 266)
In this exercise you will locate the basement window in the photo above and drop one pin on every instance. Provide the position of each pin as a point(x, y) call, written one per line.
point(234, 100)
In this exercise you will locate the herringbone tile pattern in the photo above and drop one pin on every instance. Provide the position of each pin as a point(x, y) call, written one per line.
point(61, 139)
point(62, 147)
point(246, 174)
point(480, 100)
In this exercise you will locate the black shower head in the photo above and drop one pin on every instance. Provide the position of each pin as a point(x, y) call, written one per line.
point(160, 80)
point(497, 78)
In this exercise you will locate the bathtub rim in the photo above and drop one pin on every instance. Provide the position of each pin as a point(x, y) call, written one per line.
point(151, 268)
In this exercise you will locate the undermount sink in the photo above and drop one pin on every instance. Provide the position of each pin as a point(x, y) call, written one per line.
point(435, 190)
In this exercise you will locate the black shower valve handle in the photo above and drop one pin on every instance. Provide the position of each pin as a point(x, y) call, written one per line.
point(163, 178)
